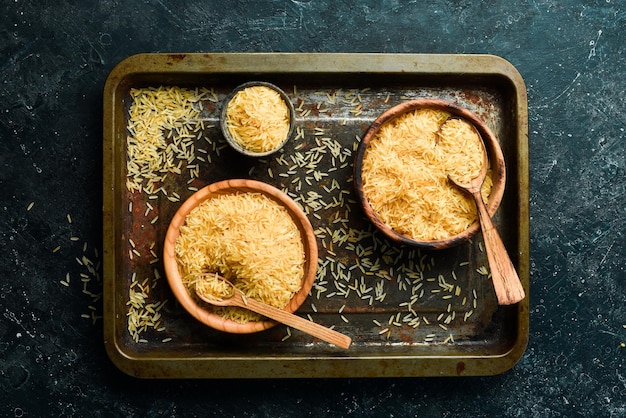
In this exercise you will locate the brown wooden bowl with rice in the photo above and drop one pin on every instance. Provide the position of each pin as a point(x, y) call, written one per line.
point(402, 167)
point(252, 234)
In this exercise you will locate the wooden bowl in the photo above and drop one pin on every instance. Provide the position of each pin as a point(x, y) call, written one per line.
point(496, 160)
point(198, 309)
point(224, 126)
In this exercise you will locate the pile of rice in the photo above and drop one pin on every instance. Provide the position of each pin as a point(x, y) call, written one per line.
point(250, 240)
point(258, 119)
point(405, 174)
point(213, 287)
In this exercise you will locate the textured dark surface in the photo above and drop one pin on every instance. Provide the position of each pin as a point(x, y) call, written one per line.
point(54, 58)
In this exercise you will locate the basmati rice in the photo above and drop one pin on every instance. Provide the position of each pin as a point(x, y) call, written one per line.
point(248, 239)
point(405, 174)
point(258, 119)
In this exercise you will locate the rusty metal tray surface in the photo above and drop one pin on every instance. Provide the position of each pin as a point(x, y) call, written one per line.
point(409, 312)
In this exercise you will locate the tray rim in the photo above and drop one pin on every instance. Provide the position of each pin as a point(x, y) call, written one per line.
point(325, 365)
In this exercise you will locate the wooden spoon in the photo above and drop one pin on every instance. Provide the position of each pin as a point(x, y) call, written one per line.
point(240, 300)
point(506, 282)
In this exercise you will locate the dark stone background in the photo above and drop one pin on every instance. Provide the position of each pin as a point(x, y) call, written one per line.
point(54, 58)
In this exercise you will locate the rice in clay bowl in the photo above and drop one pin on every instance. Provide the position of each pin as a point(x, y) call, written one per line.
point(207, 314)
point(399, 164)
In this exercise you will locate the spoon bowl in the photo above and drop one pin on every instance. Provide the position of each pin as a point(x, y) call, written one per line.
point(506, 282)
point(236, 297)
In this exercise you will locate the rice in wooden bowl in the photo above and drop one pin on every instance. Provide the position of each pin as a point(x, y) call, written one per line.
point(402, 167)
point(253, 235)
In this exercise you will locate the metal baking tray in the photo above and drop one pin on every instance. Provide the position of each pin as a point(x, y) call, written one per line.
point(409, 312)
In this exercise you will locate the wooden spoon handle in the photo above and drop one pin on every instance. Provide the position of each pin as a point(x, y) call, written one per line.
point(506, 282)
point(294, 321)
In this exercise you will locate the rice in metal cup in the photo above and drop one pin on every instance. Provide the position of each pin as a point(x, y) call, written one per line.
point(255, 120)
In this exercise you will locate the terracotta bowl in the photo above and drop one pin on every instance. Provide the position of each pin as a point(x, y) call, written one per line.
point(496, 160)
point(197, 308)
point(223, 116)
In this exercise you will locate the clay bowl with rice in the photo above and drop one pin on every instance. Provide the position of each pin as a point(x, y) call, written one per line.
point(257, 119)
point(402, 167)
point(252, 234)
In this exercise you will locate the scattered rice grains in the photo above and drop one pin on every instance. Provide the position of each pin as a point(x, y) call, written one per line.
point(163, 127)
point(166, 130)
